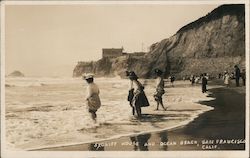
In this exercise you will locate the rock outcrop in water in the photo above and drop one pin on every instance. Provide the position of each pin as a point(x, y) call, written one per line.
point(16, 74)
point(211, 44)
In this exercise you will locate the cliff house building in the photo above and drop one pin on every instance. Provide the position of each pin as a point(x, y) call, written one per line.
point(118, 52)
point(112, 52)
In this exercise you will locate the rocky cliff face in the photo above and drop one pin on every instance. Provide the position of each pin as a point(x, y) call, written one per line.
point(211, 44)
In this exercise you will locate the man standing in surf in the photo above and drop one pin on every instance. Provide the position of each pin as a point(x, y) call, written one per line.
point(92, 97)
point(237, 75)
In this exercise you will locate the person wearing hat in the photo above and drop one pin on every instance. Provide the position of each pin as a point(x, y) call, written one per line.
point(226, 78)
point(92, 97)
point(203, 83)
point(172, 79)
point(138, 98)
point(159, 89)
point(237, 75)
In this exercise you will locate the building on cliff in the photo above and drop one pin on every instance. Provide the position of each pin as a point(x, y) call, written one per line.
point(211, 44)
point(112, 52)
point(118, 52)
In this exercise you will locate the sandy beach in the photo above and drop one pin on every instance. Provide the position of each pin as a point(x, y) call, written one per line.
point(222, 128)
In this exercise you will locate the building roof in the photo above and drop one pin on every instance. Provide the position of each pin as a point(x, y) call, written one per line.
point(112, 49)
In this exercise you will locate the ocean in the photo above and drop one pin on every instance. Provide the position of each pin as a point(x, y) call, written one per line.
point(48, 112)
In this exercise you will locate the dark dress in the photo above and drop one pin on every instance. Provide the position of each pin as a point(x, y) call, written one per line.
point(237, 76)
point(204, 84)
point(243, 76)
point(139, 99)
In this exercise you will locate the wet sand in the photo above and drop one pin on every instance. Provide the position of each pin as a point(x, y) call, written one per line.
point(220, 129)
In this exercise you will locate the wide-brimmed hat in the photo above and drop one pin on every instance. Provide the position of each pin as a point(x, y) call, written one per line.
point(87, 76)
point(158, 72)
point(132, 75)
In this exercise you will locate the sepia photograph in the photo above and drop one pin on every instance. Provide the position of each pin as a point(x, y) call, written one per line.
point(124, 79)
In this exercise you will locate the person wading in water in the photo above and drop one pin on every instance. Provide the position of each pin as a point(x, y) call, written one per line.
point(92, 97)
point(159, 89)
point(137, 97)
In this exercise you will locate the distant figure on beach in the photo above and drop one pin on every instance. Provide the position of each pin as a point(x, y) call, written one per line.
point(204, 83)
point(172, 79)
point(243, 76)
point(232, 76)
point(197, 79)
point(139, 98)
point(92, 97)
point(219, 76)
point(192, 79)
point(237, 75)
point(226, 79)
point(159, 89)
point(184, 78)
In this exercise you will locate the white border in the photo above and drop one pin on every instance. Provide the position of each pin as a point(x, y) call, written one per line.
point(2, 29)
point(134, 2)
point(247, 5)
point(73, 154)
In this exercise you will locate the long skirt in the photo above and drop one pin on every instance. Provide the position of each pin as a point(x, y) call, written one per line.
point(94, 102)
point(141, 100)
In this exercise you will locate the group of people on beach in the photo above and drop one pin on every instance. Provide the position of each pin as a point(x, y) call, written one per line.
point(204, 79)
point(237, 74)
point(136, 95)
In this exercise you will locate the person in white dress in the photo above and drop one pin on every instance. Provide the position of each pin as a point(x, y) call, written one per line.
point(92, 96)
point(226, 79)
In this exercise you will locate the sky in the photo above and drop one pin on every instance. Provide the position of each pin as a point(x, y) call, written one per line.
point(49, 40)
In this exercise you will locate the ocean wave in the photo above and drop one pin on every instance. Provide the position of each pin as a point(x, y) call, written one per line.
point(59, 116)
point(94, 127)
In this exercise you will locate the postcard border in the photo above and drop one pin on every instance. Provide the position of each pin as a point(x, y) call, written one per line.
point(74, 154)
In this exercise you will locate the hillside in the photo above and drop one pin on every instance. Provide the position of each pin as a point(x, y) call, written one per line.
point(211, 44)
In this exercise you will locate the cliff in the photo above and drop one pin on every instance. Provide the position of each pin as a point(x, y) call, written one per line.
point(211, 44)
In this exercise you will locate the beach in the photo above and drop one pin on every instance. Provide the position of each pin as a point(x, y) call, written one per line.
point(51, 112)
point(222, 128)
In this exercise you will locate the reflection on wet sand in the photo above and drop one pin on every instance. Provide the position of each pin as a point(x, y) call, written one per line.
point(143, 143)
point(140, 142)
point(95, 147)
point(164, 139)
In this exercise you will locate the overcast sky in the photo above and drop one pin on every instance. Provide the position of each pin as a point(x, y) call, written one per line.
point(49, 40)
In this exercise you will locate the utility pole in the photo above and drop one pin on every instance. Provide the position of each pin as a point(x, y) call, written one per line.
point(142, 47)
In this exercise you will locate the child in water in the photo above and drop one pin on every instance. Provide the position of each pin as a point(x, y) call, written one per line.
point(92, 97)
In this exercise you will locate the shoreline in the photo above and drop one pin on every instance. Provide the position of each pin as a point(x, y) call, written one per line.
point(45, 124)
point(118, 137)
point(175, 127)
point(193, 132)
